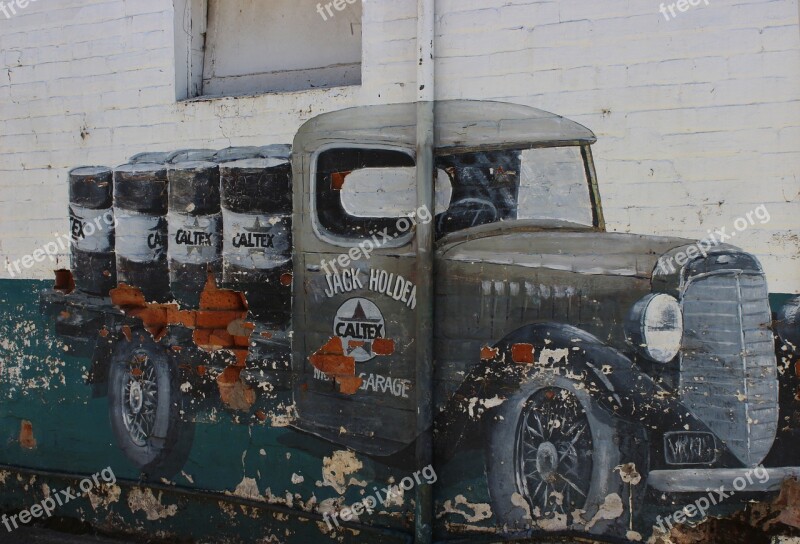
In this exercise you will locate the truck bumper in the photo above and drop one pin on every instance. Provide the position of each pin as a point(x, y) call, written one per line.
point(701, 480)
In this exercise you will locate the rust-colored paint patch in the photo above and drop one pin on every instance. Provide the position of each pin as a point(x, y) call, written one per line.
point(126, 331)
point(522, 354)
point(753, 524)
point(286, 279)
point(487, 353)
point(26, 438)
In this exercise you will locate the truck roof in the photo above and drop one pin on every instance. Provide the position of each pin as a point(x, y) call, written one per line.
point(460, 125)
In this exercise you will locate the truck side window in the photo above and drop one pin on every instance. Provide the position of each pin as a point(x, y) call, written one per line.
point(333, 167)
point(485, 189)
point(540, 184)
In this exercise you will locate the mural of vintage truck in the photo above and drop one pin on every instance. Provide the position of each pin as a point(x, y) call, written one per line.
point(587, 366)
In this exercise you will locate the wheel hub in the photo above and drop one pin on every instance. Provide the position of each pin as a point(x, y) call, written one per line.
point(547, 461)
point(554, 452)
point(140, 399)
point(135, 398)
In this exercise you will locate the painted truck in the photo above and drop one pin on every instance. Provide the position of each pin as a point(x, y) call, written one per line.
point(589, 366)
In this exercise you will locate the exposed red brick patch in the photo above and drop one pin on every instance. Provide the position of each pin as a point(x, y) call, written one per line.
point(126, 296)
point(331, 359)
point(26, 438)
point(218, 324)
point(221, 337)
point(337, 180)
point(64, 281)
point(220, 299)
point(487, 353)
point(219, 318)
point(233, 392)
point(522, 354)
point(383, 346)
point(349, 385)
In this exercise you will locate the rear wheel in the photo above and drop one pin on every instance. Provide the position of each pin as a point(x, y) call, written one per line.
point(145, 406)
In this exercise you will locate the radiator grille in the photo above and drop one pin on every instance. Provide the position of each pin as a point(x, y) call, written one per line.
point(728, 367)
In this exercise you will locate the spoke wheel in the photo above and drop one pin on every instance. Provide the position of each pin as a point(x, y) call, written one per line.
point(146, 406)
point(140, 398)
point(551, 459)
point(554, 453)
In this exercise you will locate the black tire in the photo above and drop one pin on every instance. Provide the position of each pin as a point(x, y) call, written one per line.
point(557, 472)
point(145, 406)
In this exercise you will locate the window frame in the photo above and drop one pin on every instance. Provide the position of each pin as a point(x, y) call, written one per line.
point(190, 26)
point(319, 229)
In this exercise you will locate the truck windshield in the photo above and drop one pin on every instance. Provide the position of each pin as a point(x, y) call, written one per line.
point(547, 183)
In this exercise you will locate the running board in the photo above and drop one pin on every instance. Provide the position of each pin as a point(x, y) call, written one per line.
point(698, 480)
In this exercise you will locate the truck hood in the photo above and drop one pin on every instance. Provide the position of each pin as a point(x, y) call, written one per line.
point(561, 246)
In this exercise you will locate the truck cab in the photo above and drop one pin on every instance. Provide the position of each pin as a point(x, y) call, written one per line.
point(355, 245)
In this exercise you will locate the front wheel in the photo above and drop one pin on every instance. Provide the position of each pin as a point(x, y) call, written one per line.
point(144, 403)
point(557, 461)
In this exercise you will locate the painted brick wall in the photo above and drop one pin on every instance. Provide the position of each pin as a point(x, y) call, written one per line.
point(698, 117)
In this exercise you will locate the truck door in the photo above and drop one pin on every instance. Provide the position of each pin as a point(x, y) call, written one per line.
point(355, 296)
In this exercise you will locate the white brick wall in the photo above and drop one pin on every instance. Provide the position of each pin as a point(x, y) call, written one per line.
point(698, 118)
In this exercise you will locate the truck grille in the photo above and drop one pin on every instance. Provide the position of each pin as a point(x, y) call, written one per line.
point(728, 368)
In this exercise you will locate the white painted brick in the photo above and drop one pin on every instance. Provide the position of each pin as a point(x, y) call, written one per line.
point(698, 117)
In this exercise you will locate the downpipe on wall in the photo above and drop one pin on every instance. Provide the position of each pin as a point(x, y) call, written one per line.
point(426, 15)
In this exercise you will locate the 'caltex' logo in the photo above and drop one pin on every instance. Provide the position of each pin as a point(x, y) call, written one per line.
point(358, 323)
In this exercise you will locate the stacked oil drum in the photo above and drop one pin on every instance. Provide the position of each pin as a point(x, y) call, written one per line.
point(195, 229)
point(91, 218)
point(257, 251)
point(140, 207)
point(182, 216)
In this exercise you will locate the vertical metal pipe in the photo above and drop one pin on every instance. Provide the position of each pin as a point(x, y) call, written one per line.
point(426, 14)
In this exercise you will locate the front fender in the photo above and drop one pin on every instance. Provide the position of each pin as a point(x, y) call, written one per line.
point(611, 379)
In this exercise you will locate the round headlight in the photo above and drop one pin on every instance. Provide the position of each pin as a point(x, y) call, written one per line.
point(655, 327)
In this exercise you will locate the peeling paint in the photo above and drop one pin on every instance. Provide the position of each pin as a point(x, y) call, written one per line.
point(143, 499)
point(337, 467)
point(471, 512)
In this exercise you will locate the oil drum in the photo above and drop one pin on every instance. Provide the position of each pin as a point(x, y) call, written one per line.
point(140, 208)
point(91, 219)
point(154, 157)
point(191, 155)
point(195, 229)
point(231, 154)
point(257, 248)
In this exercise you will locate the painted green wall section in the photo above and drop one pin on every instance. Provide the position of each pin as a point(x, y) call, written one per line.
point(43, 383)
